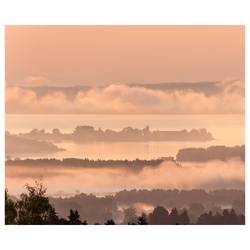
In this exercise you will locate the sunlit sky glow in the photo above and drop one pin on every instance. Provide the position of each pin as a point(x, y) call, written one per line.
point(94, 55)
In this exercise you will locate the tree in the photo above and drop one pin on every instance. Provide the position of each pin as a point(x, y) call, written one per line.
point(195, 210)
point(85, 222)
point(109, 222)
point(183, 218)
point(239, 206)
point(34, 208)
point(207, 219)
point(142, 220)
point(159, 216)
point(74, 217)
point(10, 210)
point(174, 217)
point(130, 216)
point(226, 218)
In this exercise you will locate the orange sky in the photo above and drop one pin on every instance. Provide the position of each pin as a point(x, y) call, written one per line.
point(70, 55)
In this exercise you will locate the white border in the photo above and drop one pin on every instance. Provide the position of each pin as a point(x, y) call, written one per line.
point(121, 12)
point(124, 12)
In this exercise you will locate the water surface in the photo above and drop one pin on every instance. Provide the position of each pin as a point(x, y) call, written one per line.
point(226, 129)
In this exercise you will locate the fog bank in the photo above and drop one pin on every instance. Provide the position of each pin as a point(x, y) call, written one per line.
point(69, 180)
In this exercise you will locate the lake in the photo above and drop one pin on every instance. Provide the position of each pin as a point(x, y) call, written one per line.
point(226, 129)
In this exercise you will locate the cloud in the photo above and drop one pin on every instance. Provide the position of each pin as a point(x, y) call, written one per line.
point(126, 99)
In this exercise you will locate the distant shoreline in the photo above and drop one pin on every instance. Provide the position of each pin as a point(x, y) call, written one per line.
point(211, 153)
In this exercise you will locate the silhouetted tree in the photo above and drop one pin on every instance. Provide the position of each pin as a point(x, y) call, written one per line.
point(130, 217)
point(174, 217)
point(226, 218)
point(10, 210)
point(109, 222)
point(183, 218)
point(34, 208)
point(206, 219)
point(229, 217)
point(74, 217)
point(239, 206)
point(63, 221)
point(142, 220)
point(159, 216)
point(195, 210)
point(85, 222)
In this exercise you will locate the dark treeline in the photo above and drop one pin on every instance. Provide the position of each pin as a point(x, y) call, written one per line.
point(161, 216)
point(35, 208)
point(179, 198)
point(211, 153)
point(88, 163)
point(218, 152)
point(89, 133)
point(196, 202)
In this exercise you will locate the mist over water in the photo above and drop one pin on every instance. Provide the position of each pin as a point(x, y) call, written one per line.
point(70, 180)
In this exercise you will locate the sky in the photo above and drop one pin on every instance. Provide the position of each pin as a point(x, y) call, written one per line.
point(109, 58)
point(96, 55)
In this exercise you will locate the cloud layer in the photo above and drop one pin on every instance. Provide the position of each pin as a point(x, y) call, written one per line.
point(127, 99)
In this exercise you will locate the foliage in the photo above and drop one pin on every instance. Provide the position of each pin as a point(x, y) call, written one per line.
point(74, 217)
point(109, 222)
point(10, 210)
point(142, 220)
point(34, 207)
point(228, 217)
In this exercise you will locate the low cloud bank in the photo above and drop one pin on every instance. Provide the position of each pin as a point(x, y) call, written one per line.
point(127, 99)
point(210, 175)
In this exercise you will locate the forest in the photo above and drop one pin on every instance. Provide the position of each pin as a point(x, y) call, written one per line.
point(34, 207)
